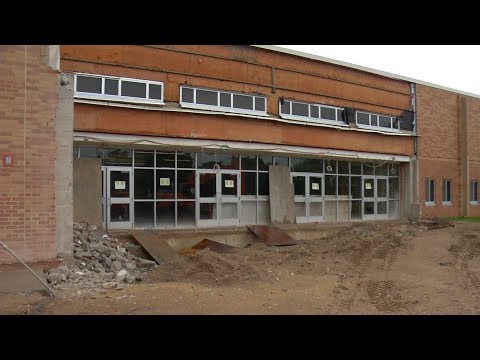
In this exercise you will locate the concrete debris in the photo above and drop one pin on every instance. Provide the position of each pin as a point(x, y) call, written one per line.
point(99, 263)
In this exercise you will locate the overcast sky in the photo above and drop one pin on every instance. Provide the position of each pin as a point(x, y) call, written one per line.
point(453, 66)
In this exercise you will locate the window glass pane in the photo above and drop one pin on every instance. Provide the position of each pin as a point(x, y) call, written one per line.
point(243, 102)
point(384, 121)
point(187, 95)
point(186, 213)
point(306, 165)
point(343, 185)
point(206, 97)
point(315, 186)
point(120, 157)
point(89, 84)
point(299, 185)
point(155, 91)
point(432, 190)
point(427, 190)
point(166, 159)
point(165, 184)
point(393, 188)
point(314, 111)
point(185, 184)
point(356, 168)
point(75, 151)
point(393, 170)
point(259, 103)
point(327, 113)
point(134, 89)
point(264, 161)
point(143, 183)
point(263, 187)
point(339, 115)
point(368, 169)
point(356, 187)
point(343, 167)
point(281, 160)
point(225, 100)
point(143, 214)
point(111, 87)
point(144, 158)
point(89, 152)
point(374, 120)
point(299, 109)
point(249, 183)
point(330, 167)
point(225, 161)
point(185, 160)
point(363, 118)
point(285, 107)
point(381, 170)
point(165, 213)
point(330, 185)
point(249, 162)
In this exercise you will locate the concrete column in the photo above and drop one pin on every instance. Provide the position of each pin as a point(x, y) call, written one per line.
point(64, 166)
point(463, 155)
point(282, 203)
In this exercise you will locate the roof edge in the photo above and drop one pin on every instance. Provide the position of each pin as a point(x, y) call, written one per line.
point(361, 68)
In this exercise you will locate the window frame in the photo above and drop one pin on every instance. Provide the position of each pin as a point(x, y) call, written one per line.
point(444, 192)
point(119, 97)
point(377, 127)
point(309, 118)
point(218, 107)
point(474, 183)
point(430, 202)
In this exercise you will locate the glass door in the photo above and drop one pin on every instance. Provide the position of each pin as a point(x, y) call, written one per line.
point(375, 197)
point(119, 198)
point(300, 197)
point(229, 199)
point(206, 189)
point(308, 197)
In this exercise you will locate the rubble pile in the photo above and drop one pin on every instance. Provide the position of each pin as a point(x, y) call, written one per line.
point(99, 263)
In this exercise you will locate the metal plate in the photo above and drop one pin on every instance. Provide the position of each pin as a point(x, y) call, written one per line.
point(158, 248)
point(271, 235)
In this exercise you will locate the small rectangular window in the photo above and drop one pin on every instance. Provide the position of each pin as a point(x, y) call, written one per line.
point(373, 120)
point(155, 91)
point(327, 113)
point(89, 84)
point(225, 99)
point(187, 95)
point(363, 118)
point(447, 191)
point(134, 89)
point(111, 86)
point(385, 121)
point(285, 107)
point(243, 102)
point(474, 192)
point(430, 191)
point(259, 103)
point(314, 111)
point(299, 109)
point(206, 97)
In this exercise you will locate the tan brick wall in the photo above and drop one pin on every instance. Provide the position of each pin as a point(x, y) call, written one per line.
point(28, 99)
point(437, 127)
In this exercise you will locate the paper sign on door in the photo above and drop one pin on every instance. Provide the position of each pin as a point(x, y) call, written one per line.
point(229, 183)
point(368, 186)
point(315, 186)
point(119, 185)
point(164, 181)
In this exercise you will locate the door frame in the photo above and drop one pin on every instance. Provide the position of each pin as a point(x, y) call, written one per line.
point(307, 199)
point(109, 200)
point(218, 200)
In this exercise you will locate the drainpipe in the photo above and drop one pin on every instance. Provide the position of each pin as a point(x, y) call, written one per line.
point(414, 184)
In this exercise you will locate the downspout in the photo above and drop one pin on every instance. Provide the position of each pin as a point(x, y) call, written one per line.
point(414, 168)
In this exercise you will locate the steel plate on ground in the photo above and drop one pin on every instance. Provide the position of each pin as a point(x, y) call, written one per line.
point(271, 235)
point(158, 248)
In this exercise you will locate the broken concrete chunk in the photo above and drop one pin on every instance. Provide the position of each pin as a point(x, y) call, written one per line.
point(116, 265)
point(122, 272)
point(109, 285)
point(145, 264)
point(54, 278)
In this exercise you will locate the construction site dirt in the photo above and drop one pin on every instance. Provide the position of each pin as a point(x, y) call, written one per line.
point(364, 268)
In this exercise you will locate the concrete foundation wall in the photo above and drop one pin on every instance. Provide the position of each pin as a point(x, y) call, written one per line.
point(64, 167)
point(87, 191)
point(282, 204)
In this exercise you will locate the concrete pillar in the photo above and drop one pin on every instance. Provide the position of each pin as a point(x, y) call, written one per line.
point(64, 167)
point(463, 155)
point(282, 203)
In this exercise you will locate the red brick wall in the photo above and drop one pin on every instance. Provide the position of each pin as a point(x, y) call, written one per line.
point(27, 190)
point(437, 127)
point(473, 148)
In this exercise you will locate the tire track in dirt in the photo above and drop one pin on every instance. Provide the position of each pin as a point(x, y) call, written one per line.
point(383, 294)
point(463, 253)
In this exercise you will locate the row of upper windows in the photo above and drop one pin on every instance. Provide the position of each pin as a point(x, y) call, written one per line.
point(430, 188)
point(121, 89)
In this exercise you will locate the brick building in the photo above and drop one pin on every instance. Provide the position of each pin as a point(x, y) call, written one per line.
point(178, 137)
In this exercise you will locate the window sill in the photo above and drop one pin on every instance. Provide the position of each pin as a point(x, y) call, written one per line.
point(446, 203)
point(430, 204)
point(474, 203)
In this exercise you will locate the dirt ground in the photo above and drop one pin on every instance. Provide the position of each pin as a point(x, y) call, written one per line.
point(365, 268)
